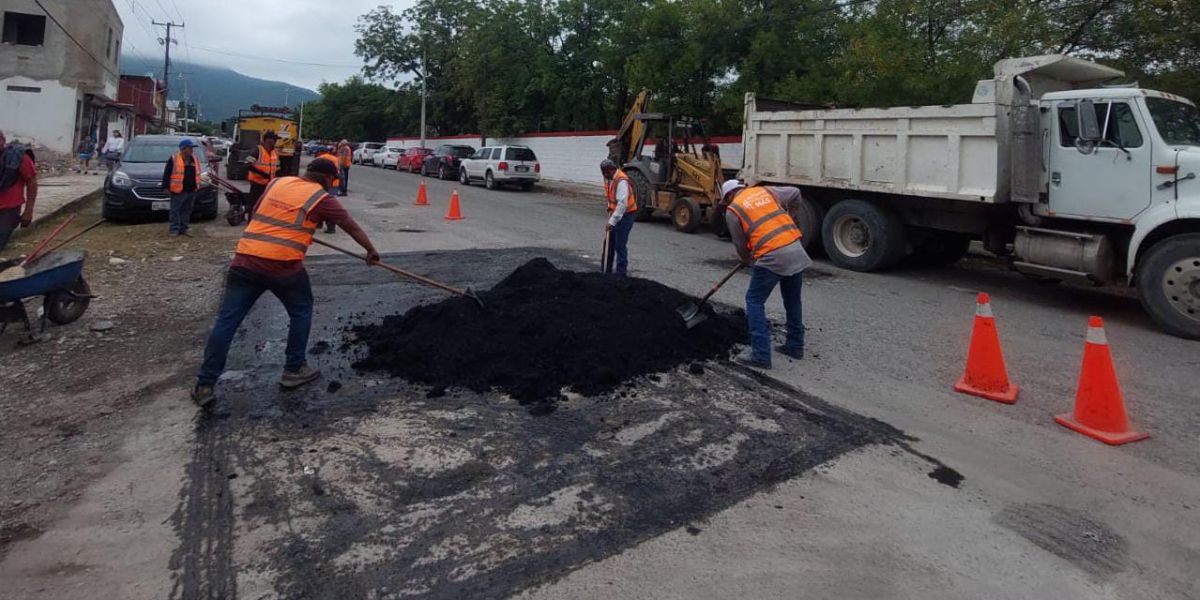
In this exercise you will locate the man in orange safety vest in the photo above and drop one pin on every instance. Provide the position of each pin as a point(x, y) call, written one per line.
point(622, 212)
point(181, 179)
point(767, 238)
point(270, 258)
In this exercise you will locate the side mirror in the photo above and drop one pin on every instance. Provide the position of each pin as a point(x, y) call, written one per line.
point(1089, 126)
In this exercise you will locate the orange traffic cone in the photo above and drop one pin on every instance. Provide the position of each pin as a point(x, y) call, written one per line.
point(1099, 405)
point(422, 199)
point(455, 213)
point(986, 375)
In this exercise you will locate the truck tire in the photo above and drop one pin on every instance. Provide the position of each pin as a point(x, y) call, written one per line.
point(685, 214)
point(808, 218)
point(1168, 283)
point(942, 249)
point(645, 195)
point(861, 236)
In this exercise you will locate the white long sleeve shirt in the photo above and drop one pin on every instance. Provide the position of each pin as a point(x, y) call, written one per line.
point(621, 194)
point(114, 144)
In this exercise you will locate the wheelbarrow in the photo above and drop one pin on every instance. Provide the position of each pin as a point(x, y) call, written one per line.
point(238, 211)
point(58, 278)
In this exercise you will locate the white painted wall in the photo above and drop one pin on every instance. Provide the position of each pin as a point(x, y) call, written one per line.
point(572, 159)
point(46, 117)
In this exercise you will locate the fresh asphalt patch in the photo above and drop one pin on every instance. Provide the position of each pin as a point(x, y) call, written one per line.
point(379, 487)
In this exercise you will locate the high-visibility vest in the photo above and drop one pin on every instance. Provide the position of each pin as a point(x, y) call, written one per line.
point(268, 162)
point(767, 226)
point(610, 192)
point(175, 184)
point(281, 228)
point(346, 154)
point(333, 159)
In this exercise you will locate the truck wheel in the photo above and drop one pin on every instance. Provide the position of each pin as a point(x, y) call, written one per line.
point(685, 214)
point(808, 218)
point(1168, 283)
point(861, 236)
point(942, 249)
point(645, 195)
point(489, 182)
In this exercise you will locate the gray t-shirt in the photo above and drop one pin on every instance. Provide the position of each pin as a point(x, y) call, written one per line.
point(785, 261)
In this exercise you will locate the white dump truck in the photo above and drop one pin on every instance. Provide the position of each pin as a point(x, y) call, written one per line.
point(1067, 178)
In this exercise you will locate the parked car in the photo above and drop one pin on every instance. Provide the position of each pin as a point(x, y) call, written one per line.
point(413, 159)
point(444, 160)
point(362, 155)
point(134, 188)
point(501, 165)
point(388, 156)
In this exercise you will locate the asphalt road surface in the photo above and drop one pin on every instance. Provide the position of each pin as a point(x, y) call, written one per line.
point(837, 476)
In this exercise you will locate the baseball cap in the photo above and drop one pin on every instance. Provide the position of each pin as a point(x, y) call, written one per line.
point(270, 134)
point(324, 166)
point(187, 143)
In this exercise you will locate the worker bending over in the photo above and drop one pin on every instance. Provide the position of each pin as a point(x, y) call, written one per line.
point(270, 257)
point(622, 211)
point(262, 165)
point(766, 237)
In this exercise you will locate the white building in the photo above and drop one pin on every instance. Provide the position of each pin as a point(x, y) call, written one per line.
point(54, 89)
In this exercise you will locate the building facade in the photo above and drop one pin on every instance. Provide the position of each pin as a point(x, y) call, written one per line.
point(144, 95)
point(59, 81)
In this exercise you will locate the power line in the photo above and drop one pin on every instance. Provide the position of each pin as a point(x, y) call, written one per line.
point(72, 38)
point(271, 59)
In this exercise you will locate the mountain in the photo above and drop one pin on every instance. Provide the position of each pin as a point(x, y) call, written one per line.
point(220, 91)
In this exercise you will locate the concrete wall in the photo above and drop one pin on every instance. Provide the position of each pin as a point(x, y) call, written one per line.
point(568, 157)
point(45, 117)
point(95, 24)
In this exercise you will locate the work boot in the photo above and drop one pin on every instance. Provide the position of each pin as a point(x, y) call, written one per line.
point(796, 354)
point(203, 395)
point(746, 360)
point(299, 377)
point(330, 228)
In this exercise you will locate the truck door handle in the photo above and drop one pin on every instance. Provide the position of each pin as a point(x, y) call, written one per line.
point(1056, 178)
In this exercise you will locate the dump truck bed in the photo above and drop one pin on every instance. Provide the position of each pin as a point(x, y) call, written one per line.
point(930, 151)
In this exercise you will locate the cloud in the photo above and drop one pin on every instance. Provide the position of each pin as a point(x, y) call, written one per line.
point(233, 33)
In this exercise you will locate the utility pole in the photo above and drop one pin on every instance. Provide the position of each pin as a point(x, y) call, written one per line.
point(184, 104)
point(166, 42)
point(424, 72)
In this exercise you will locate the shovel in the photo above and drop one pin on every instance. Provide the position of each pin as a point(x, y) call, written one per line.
point(467, 293)
point(691, 311)
point(605, 264)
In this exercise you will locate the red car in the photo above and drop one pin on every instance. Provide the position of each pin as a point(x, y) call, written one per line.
point(412, 159)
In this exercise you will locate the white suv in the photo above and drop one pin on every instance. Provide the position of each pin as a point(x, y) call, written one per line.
point(362, 155)
point(386, 157)
point(501, 165)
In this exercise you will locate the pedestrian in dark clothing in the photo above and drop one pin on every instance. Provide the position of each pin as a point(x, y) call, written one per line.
point(181, 179)
point(18, 187)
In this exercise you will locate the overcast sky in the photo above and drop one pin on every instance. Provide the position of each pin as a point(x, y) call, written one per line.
point(320, 32)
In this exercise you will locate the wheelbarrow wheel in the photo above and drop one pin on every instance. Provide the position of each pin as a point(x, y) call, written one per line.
point(65, 306)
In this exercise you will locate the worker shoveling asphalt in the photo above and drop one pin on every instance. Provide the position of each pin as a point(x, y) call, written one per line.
point(546, 330)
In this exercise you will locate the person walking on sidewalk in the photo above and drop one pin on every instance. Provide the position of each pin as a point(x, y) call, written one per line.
point(181, 179)
point(113, 147)
point(270, 258)
point(345, 158)
point(767, 238)
point(622, 211)
point(18, 186)
point(262, 165)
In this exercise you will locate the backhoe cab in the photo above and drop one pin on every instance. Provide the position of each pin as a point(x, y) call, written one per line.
point(677, 175)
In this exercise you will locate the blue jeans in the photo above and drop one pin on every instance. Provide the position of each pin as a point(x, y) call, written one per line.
point(762, 282)
point(181, 211)
point(242, 289)
point(619, 247)
point(342, 189)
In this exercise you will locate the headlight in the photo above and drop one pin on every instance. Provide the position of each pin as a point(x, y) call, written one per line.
point(121, 180)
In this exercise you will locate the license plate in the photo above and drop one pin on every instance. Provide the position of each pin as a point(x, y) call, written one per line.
point(522, 169)
point(160, 205)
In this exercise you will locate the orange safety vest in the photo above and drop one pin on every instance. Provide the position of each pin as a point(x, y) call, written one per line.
point(610, 192)
point(281, 228)
point(176, 182)
point(333, 159)
point(767, 226)
point(346, 154)
point(268, 161)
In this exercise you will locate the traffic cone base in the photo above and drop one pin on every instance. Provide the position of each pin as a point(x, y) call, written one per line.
point(1007, 396)
point(1108, 437)
point(455, 212)
point(1099, 405)
point(985, 374)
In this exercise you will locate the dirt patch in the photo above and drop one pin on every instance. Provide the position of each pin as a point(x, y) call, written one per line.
point(545, 330)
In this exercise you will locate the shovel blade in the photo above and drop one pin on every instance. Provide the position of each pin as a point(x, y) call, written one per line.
point(691, 315)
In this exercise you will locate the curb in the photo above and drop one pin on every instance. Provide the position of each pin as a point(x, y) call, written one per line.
point(70, 206)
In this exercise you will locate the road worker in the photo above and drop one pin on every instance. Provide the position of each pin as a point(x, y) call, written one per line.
point(181, 179)
point(345, 155)
point(262, 165)
point(330, 154)
point(767, 239)
point(622, 211)
point(270, 257)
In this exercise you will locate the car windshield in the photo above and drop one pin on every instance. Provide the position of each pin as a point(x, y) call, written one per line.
point(1178, 123)
point(148, 151)
point(519, 154)
point(371, 146)
point(460, 151)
